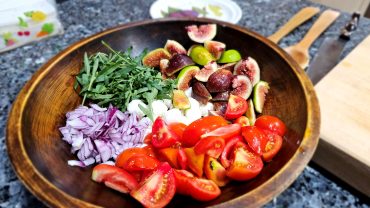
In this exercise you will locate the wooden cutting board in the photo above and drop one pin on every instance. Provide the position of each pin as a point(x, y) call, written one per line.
point(344, 97)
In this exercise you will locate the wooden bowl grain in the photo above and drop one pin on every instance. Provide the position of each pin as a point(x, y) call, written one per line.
point(39, 156)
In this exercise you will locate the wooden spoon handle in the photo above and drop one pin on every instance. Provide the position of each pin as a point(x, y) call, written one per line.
point(302, 16)
point(323, 22)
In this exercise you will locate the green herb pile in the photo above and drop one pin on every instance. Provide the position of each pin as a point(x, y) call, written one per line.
point(117, 78)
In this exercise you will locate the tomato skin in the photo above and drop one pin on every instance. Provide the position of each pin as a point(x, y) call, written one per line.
point(126, 154)
point(255, 138)
point(148, 138)
point(197, 128)
point(177, 128)
point(225, 132)
point(169, 155)
point(273, 146)
point(229, 147)
point(114, 177)
point(182, 159)
point(236, 107)
point(215, 171)
point(245, 165)
point(162, 136)
point(182, 178)
point(158, 189)
point(243, 121)
point(271, 123)
point(203, 190)
point(195, 161)
point(212, 146)
point(139, 162)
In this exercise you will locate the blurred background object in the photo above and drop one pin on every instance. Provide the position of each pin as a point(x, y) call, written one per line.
point(362, 6)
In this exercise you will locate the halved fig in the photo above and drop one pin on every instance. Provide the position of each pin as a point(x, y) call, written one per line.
point(185, 76)
point(206, 72)
point(248, 67)
point(177, 62)
point(201, 33)
point(153, 58)
point(220, 108)
point(163, 64)
point(180, 100)
point(219, 81)
point(221, 97)
point(200, 55)
point(259, 95)
point(174, 47)
point(216, 48)
point(229, 66)
point(200, 90)
point(242, 86)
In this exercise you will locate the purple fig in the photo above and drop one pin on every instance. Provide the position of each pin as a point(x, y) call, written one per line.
point(202, 33)
point(242, 86)
point(153, 58)
point(206, 72)
point(177, 62)
point(174, 47)
point(200, 90)
point(250, 68)
point(219, 81)
point(215, 48)
point(221, 97)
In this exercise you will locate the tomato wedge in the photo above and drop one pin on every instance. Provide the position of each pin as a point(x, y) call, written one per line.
point(255, 138)
point(271, 123)
point(158, 189)
point(141, 162)
point(195, 161)
point(162, 136)
point(215, 171)
point(148, 138)
point(175, 156)
point(114, 178)
point(236, 107)
point(245, 164)
point(126, 154)
point(211, 146)
point(243, 121)
point(225, 132)
point(182, 178)
point(229, 146)
point(273, 146)
point(199, 127)
point(182, 160)
point(177, 128)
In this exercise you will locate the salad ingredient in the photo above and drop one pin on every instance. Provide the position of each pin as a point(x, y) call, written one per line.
point(175, 115)
point(274, 143)
point(199, 127)
point(204, 73)
point(162, 135)
point(177, 128)
point(195, 161)
point(171, 155)
point(182, 159)
point(174, 47)
point(202, 189)
point(157, 189)
point(178, 62)
point(229, 147)
point(201, 33)
point(215, 171)
point(205, 109)
point(125, 155)
point(99, 134)
point(163, 64)
point(201, 91)
point(236, 107)
point(229, 56)
point(220, 108)
point(255, 138)
point(182, 178)
point(245, 163)
point(193, 113)
point(211, 146)
point(260, 91)
point(159, 108)
point(200, 55)
point(185, 76)
point(180, 100)
point(117, 78)
point(228, 66)
point(153, 58)
point(133, 107)
point(250, 68)
point(242, 86)
point(219, 81)
point(251, 115)
point(242, 121)
point(114, 178)
point(221, 97)
point(216, 48)
point(140, 162)
point(225, 132)
point(271, 123)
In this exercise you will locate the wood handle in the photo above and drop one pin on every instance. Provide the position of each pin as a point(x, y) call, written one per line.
point(302, 16)
point(323, 22)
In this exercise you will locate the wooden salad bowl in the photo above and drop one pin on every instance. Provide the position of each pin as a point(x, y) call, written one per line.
point(39, 156)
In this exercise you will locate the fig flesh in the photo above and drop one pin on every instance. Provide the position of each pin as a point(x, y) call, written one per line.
point(200, 55)
point(242, 86)
point(185, 76)
point(219, 81)
point(153, 58)
point(250, 68)
point(206, 72)
point(201, 91)
point(163, 64)
point(177, 62)
point(229, 66)
point(259, 95)
point(174, 47)
point(251, 115)
point(216, 48)
point(201, 33)
point(180, 100)
point(221, 97)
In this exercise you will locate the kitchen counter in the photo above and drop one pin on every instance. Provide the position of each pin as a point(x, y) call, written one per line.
point(84, 18)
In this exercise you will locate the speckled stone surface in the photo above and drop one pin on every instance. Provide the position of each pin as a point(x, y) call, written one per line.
point(84, 18)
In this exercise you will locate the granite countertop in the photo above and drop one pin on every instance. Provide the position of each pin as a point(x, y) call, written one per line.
point(84, 18)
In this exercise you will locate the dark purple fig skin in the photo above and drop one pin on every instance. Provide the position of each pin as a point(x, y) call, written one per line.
point(242, 86)
point(248, 67)
point(220, 107)
point(177, 62)
point(219, 81)
point(201, 90)
point(206, 72)
point(221, 96)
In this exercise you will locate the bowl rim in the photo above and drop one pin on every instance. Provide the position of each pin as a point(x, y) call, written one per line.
point(36, 183)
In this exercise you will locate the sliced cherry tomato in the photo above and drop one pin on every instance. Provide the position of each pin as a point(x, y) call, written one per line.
point(199, 127)
point(271, 123)
point(211, 146)
point(126, 154)
point(158, 189)
point(225, 132)
point(243, 121)
point(215, 171)
point(236, 107)
point(229, 146)
point(273, 146)
point(140, 162)
point(114, 177)
point(182, 178)
point(169, 155)
point(203, 190)
point(182, 159)
point(148, 138)
point(245, 164)
point(162, 136)
point(255, 138)
point(177, 128)
point(195, 161)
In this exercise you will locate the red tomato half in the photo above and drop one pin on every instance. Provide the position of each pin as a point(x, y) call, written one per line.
point(177, 128)
point(199, 127)
point(126, 154)
point(162, 136)
point(158, 189)
point(243, 121)
point(273, 146)
point(255, 138)
point(114, 178)
point(211, 146)
point(182, 178)
point(140, 162)
point(229, 146)
point(271, 123)
point(236, 107)
point(225, 132)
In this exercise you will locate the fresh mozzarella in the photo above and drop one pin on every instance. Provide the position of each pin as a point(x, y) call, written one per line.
point(159, 108)
point(206, 108)
point(133, 107)
point(175, 115)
